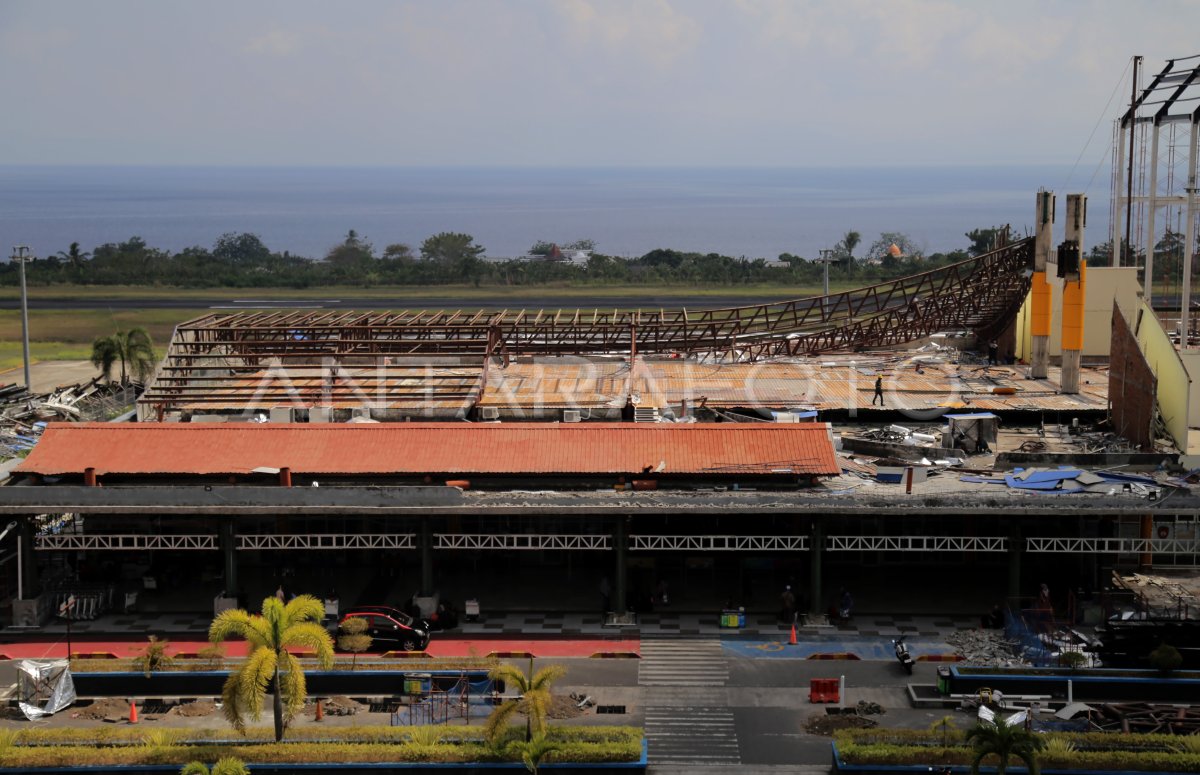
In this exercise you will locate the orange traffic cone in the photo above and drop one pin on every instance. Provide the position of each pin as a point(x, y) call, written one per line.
point(132, 713)
point(320, 716)
point(792, 641)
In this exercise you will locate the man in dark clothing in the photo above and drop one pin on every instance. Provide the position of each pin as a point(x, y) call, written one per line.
point(878, 391)
point(993, 353)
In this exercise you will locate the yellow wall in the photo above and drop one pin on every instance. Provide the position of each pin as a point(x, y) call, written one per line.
point(1174, 386)
point(1104, 285)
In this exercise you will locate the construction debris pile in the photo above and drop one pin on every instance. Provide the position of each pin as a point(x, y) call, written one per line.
point(23, 415)
point(1064, 480)
point(987, 648)
point(1177, 596)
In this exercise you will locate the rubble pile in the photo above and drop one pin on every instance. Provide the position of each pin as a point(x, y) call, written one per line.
point(23, 415)
point(987, 648)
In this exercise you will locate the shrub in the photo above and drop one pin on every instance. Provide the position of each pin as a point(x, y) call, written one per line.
point(153, 656)
point(1165, 658)
point(229, 765)
point(1072, 660)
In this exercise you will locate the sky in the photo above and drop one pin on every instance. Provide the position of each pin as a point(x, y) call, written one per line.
point(565, 83)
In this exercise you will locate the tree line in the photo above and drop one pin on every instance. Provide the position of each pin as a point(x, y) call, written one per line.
point(242, 260)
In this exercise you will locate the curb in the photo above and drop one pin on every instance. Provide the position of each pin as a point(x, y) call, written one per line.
point(836, 655)
point(616, 655)
point(941, 658)
point(405, 655)
point(510, 655)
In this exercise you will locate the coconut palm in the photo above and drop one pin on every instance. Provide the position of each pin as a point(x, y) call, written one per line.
point(269, 662)
point(132, 348)
point(534, 702)
point(74, 256)
point(1004, 742)
point(850, 242)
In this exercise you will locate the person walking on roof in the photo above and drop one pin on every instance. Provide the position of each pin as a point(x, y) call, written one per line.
point(878, 390)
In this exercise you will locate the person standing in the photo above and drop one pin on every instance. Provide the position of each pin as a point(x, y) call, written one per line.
point(993, 353)
point(787, 611)
point(878, 390)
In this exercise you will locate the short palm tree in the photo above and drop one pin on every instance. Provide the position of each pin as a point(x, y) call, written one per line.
point(132, 348)
point(270, 663)
point(534, 702)
point(535, 751)
point(74, 256)
point(1004, 742)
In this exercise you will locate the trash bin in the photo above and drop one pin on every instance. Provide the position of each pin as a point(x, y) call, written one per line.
point(943, 680)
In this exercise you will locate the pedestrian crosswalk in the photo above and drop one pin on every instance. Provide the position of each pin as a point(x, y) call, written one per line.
point(691, 736)
point(682, 662)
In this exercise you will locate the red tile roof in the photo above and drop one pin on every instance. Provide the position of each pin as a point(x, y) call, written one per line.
point(419, 448)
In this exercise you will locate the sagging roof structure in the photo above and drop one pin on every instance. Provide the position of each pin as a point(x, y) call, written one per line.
point(184, 451)
point(274, 358)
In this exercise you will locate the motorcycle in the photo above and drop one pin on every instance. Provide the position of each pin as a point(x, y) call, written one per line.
point(901, 649)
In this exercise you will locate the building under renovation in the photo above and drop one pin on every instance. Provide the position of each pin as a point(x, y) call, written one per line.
point(1012, 420)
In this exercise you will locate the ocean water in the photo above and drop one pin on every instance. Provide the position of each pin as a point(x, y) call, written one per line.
point(627, 212)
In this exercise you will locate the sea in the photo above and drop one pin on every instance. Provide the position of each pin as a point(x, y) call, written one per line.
point(754, 213)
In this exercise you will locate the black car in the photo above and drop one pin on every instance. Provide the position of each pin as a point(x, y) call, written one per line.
point(391, 628)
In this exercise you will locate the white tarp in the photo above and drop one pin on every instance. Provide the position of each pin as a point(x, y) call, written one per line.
point(44, 687)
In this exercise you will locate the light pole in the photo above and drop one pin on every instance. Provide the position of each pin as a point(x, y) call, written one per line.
point(65, 610)
point(21, 255)
point(826, 257)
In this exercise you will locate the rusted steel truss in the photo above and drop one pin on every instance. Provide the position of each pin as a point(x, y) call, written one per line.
point(970, 294)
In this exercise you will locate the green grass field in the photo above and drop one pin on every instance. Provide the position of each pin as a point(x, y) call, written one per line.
point(68, 334)
point(404, 293)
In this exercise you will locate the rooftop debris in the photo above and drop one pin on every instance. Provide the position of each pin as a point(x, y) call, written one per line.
point(987, 648)
point(23, 416)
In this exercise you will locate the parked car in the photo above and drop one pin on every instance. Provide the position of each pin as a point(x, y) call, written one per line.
point(390, 628)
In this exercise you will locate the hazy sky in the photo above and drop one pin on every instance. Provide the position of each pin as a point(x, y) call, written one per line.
point(573, 82)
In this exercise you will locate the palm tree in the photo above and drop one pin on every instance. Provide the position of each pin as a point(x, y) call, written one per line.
point(535, 751)
point(1004, 742)
point(534, 701)
point(850, 242)
point(74, 256)
point(269, 663)
point(132, 348)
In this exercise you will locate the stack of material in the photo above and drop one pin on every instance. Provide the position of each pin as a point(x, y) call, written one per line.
point(23, 415)
point(1162, 593)
point(988, 648)
point(1066, 480)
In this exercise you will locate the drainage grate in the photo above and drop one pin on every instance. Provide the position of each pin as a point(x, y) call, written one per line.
point(157, 708)
point(385, 707)
point(620, 709)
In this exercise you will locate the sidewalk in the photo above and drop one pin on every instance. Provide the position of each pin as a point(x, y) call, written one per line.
point(509, 625)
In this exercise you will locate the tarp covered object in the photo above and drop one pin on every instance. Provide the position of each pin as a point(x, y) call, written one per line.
point(44, 687)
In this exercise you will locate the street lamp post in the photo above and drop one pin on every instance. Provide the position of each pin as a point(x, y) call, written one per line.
point(21, 255)
point(826, 257)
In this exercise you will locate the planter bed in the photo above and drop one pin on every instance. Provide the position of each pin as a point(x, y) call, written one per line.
point(1087, 684)
point(208, 683)
point(366, 749)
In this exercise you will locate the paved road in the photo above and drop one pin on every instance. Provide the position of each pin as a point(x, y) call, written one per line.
point(532, 301)
point(707, 705)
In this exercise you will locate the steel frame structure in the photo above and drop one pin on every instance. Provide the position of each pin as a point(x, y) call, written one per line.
point(219, 357)
point(1112, 546)
point(522, 541)
point(718, 543)
point(1150, 180)
point(916, 544)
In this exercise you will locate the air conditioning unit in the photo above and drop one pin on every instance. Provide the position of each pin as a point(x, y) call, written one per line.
point(489, 413)
point(571, 415)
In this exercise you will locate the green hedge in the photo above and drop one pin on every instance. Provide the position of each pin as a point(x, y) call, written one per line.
point(1095, 750)
point(60, 747)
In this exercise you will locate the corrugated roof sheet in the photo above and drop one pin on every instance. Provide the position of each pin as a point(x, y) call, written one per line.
point(419, 448)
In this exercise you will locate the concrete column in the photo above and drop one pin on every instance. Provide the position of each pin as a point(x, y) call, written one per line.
point(620, 556)
point(28, 567)
point(1016, 547)
point(816, 549)
point(1073, 295)
point(228, 539)
point(425, 538)
point(1146, 559)
point(1040, 287)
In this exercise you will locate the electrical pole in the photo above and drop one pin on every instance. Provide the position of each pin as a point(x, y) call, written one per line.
point(21, 255)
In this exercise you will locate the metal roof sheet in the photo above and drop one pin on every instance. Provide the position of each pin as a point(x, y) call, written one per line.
point(420, 448)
